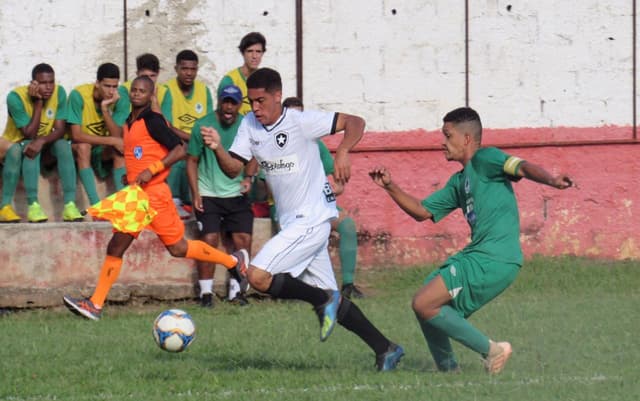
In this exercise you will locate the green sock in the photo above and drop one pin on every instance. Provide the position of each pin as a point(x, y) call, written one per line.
point(11, 173)
point(459, 328)
point(89, 183)
point(30, 175)
point(61, 149)
point(117, 177)
point(348, 251)
point(174, 178)
point(440, 346)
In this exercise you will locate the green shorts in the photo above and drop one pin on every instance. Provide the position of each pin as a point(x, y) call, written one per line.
point(472, 283)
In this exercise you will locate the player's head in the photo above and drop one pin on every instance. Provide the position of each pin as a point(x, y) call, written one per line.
point(142, 88)
point(229, 102)
point(44, 75)
point(252, 46)
point(462, 130)
point(293, 103)
point(186, 67)
point(264, 89)
point(107, 79)
point(149, 65)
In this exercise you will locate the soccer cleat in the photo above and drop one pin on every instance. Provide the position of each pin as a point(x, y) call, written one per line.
point(8, 215)
point(328, 314)
point(389, 360)
point(83, 307)
point(240, 300)
point(498, 355)
point(206, 300)
point(239, 271)
point(71, 212)
point(36, 214)
point(351, 291)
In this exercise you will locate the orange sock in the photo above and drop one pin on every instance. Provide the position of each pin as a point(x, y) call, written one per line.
point(200, 250)
point(108, 275)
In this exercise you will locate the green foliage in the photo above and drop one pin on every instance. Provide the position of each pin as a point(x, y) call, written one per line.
point(572, 323)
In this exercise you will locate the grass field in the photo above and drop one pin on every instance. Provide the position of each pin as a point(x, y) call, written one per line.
point(572, 322)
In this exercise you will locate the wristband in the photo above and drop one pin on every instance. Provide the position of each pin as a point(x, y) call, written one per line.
point(156, 167)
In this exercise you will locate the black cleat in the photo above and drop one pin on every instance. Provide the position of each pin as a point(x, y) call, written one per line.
point(206, 300)
point(350, 291)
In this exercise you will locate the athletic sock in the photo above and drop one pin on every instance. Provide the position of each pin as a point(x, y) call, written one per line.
point(439, 345)
point(118, 173)
point(459, 328)
point(108, 275)
point(285, 286)
point(234, 288)
point(30, 175)
point(89, 183)
point(206, 286)
point(11, 173)
point(66, 169)
point(348, 249)
point(351, 318)
point(200, 250)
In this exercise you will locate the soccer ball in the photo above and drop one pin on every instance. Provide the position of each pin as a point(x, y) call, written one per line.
point(174, 330)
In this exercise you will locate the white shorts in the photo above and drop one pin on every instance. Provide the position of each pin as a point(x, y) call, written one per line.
point(302, 252)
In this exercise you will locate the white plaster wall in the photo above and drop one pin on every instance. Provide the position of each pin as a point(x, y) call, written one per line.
point(539, 64)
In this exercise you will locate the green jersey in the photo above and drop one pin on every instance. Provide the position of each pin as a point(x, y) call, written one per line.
point(484, 193)
point(212, 181)
point(326, 158)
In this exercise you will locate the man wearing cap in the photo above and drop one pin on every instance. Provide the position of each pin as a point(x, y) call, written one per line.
point(220, 203)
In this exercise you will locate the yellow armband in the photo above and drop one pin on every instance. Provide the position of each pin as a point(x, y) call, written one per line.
point(156, 167)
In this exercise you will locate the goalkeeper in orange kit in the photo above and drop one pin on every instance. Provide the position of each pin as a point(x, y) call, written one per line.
point(150, 148)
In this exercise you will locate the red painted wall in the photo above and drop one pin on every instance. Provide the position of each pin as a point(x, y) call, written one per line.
point(598, 218)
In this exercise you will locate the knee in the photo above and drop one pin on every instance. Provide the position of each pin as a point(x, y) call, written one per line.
point(178, 250)
point(14, 152)
point(422, 307)
point(259, 279)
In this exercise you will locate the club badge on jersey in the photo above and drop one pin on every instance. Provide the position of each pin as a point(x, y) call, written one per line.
point(281, 138)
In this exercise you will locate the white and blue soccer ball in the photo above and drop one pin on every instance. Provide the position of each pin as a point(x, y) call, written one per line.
point(174, 330)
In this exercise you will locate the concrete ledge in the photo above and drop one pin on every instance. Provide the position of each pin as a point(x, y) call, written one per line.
point(41, 262)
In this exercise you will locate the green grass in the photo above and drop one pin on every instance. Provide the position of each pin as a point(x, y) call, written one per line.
point(572, 323)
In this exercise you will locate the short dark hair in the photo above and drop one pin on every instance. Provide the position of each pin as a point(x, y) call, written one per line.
point(293, 102)
point(186, 55)
point(265, 78)
point(251, 39)
point(108, 70)
point(148, 61)
point(41, 68)
point(465, 115)
point(146, 79)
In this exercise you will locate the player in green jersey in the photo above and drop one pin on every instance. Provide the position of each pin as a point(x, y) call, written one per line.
point(35, 130)
point(491, 261)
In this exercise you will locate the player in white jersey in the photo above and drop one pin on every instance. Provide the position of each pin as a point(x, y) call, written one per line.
point(295, 263)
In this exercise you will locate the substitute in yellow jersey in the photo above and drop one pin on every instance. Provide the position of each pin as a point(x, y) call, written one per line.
point(252, 47)
point(36, 125)
point(187, 100)
point(97, 112)
point(148, 65)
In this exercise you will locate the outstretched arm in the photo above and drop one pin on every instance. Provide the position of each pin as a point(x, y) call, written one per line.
point(410, 204)
point(538, 174)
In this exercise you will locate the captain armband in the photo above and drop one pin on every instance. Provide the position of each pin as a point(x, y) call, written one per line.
point(511, 165)
point(156, 167)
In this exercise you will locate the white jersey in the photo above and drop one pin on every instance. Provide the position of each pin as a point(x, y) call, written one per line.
point(288, 154)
